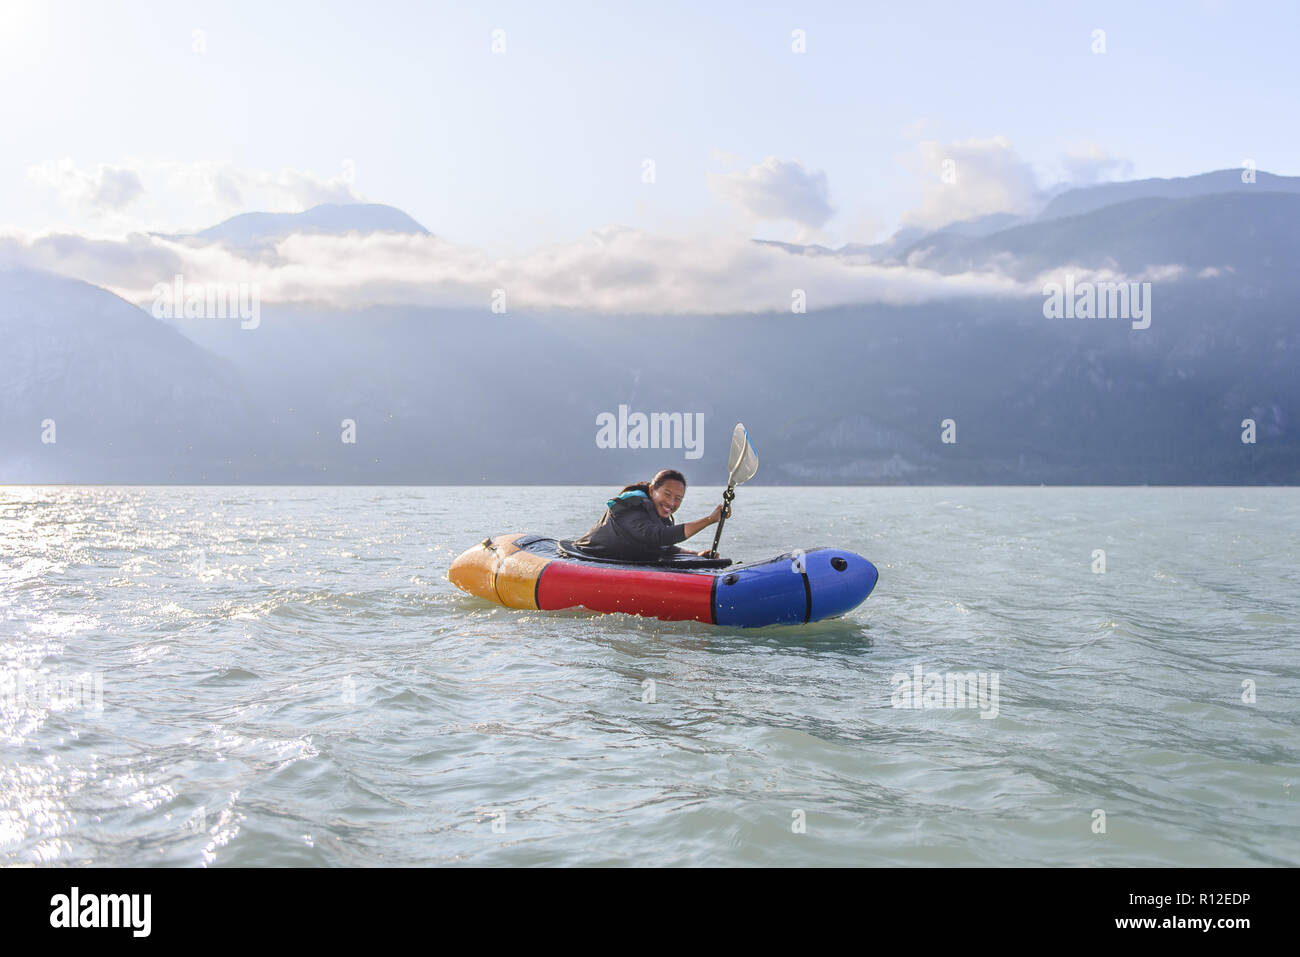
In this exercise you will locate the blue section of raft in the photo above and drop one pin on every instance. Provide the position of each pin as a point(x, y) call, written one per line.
point(794, 588)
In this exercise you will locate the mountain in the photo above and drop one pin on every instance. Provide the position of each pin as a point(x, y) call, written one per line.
point(1086, 199)
point(981, 225)
point(802, 250)
point(250, 230)
point(850, 395)
point(1074, 202)
point(130, 398)
point(896, 246)
point(1254, 234)
point(842, 396)
point(437, 395)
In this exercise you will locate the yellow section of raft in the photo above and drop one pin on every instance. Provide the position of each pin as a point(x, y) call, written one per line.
point(498, 571)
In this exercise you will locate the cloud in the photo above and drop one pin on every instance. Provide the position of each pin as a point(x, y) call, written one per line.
point(1073, 273)
point(232, 189)
point(615, 271)
point(976, 177)
point(969, 179)
point(102, 187)
point(169, 195)
point(1091, 164)
point(778, 189)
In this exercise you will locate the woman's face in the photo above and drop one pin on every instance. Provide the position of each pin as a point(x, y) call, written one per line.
point(668, 497)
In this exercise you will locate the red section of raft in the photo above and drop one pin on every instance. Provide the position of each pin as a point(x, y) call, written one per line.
point(666, 595)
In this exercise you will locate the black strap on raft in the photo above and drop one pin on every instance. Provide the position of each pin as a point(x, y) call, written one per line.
point(727, 497)
point(566, 549)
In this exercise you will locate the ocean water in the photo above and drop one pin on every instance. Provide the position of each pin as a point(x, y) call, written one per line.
point(284, 676)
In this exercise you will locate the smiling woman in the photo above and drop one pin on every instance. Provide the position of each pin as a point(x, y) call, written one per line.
point(638, 522)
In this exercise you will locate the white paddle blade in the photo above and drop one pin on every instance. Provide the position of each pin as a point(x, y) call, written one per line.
point(743, 461)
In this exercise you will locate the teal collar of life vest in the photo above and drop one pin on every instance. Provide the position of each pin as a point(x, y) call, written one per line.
point(619, 498)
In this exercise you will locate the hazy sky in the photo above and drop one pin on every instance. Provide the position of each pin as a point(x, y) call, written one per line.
point(120, 116)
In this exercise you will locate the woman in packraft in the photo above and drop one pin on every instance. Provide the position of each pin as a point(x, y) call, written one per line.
point(638, 523)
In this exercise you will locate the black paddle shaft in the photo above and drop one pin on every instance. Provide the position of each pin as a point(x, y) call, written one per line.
point(727, 497)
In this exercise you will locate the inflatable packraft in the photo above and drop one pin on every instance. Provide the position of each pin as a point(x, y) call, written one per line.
point(530, 571)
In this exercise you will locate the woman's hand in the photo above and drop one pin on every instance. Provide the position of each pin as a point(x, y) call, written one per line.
point(697, 526)
point(706, 553)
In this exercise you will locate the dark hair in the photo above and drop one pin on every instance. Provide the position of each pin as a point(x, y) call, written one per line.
point(663, 475)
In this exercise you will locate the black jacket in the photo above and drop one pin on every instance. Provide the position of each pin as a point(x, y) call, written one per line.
point(632, 530)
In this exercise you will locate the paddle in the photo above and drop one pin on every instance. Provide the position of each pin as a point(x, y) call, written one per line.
point(742, 463)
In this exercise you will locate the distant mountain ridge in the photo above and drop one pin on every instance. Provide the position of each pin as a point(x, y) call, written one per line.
point(127, 396)
point(1080, 201)
point(855, 394)
point(336, 219)
point(1085, 199)
point(1254, 234)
